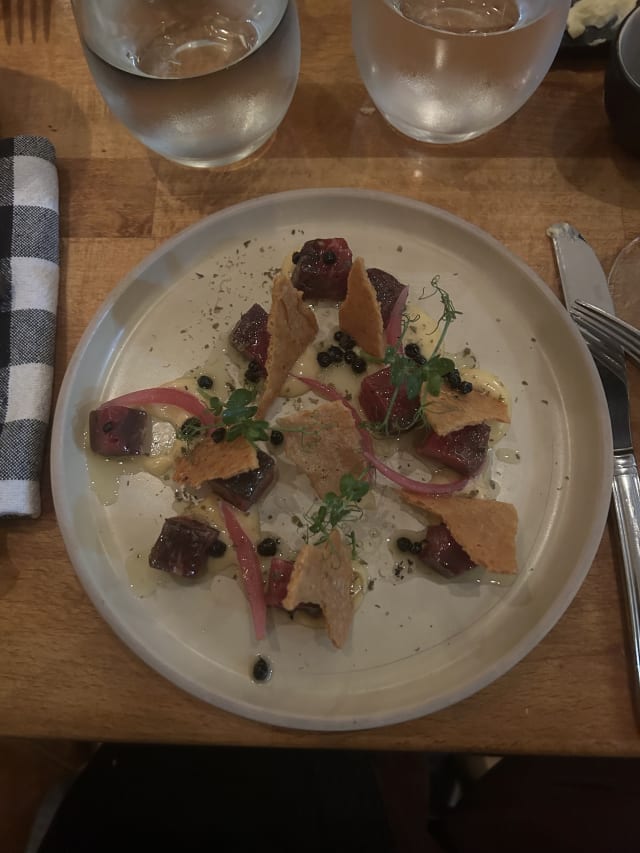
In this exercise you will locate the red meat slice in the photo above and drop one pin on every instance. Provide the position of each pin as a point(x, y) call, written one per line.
point(182, 547)
point(392, 296)
point(443, 554)
point(119, 431)
point(375, 395)
point(243, 490)
point(322, 268)
point(464, 450)
point(250, 335)
point(278, 581)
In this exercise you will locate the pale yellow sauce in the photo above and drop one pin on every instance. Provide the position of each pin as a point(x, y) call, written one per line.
point(105, 474)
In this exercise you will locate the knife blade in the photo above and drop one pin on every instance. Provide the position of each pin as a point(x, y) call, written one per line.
point(582, 277)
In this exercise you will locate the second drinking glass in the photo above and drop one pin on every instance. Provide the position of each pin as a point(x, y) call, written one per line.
point(202, 82)
point(449, 70)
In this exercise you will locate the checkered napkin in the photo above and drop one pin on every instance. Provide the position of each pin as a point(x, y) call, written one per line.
point(29, 246)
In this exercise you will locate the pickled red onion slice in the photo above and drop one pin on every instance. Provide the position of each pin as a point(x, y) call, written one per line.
point(414, 485)
point(165, 397)
point(249, 570)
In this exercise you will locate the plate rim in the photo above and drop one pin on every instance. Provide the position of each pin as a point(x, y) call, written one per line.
point(340, 722)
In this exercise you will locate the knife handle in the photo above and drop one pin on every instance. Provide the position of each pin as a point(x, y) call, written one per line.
point(626, 502)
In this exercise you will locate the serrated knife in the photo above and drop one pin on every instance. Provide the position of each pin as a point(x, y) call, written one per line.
point(583, 278)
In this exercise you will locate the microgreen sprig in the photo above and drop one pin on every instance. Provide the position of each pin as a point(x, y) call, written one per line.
point(336, 510)
point(418, 377)
point(237, 416)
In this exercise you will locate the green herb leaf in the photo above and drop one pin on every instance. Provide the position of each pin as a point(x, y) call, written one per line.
point(336, 510)
point(407, 374)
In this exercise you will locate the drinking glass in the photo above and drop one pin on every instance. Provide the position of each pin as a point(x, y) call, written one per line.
point(450, 70)
point(622, 84)
point(202, 82)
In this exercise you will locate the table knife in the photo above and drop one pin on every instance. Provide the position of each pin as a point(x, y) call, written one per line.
point(582, 277)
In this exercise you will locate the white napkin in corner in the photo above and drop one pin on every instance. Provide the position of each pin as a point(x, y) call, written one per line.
point(29, 272)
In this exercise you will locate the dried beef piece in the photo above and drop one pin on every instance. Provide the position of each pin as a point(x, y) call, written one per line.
point(183, 546)
point(322, 268)
point(119, 431)
point(443, 554)
point(375, 396)
point(464, 450)
point(243, 490)
point(250, 335)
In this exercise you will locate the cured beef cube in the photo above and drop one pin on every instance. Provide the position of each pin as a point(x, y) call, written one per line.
point(392, 296)
point(243, 490)
point(464, 450)
point(278, 581)
point(322, 269)
point(375, 395)
point(119, 431)
point(443, 554)
point(250, 335)
point(182, 547)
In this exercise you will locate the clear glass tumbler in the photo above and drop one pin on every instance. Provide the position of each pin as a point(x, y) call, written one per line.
point(450, 70)
point(202, 82)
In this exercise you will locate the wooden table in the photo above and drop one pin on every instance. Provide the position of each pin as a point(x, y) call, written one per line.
point(63, 673)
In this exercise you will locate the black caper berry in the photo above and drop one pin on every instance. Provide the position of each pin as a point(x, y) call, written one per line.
point(324, 359)
point(276, 437)
point(359, 365)
point(403, 544)
point(218, 548)
point(107, 426)
point(416, 547)
point(261, 669)
point(254, 372)
point(295, 257)
point(218, 434)
point(350, 356)
point(336, 354)
point(453, 378)
point(329, 257)
point(205, 382)
point(347, 341)
point(465, 387)
point(191, 425)
point(420, 359)
point(267, 547)
point(412, 351)
point(338, 336)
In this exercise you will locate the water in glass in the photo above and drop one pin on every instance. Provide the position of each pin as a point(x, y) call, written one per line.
point(201, 82)
point(449, 70)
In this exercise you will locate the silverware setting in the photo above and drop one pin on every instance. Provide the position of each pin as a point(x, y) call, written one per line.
point(607, 327)
point(588, 300)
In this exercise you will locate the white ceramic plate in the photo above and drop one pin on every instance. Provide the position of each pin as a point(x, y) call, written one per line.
point(418, 645)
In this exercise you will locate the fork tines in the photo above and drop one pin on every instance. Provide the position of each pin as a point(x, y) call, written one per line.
point(611, 332)
point(14, 13)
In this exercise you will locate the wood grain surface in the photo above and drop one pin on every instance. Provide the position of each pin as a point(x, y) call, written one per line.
point(63, 673)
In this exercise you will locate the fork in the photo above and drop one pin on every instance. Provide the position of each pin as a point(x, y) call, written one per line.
point(609, 360)
point(14, 12)
point(600, 323)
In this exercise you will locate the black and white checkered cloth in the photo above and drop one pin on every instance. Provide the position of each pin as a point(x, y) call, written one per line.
point(29, 256)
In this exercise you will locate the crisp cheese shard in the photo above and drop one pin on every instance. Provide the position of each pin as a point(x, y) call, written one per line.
point(325, 444)
point(451, 410)
point(322, 575)
point(485, 529)
point(292, 326)
point(215, 461)
point(360, 315)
